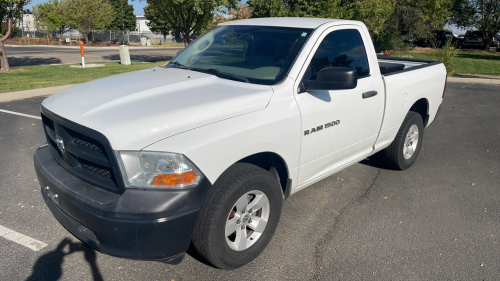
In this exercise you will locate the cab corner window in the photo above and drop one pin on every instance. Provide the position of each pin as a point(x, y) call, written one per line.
point(340, 48)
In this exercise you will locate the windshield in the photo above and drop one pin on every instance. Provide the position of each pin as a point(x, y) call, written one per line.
point(254, 54)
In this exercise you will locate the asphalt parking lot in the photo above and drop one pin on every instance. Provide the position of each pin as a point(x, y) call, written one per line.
point(439, 220)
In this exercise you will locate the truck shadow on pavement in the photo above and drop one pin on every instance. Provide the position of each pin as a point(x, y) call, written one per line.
point(25, 61)
point(49, 266)
point(376, 161)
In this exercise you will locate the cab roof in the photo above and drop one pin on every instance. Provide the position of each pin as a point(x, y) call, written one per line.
point(287, 22)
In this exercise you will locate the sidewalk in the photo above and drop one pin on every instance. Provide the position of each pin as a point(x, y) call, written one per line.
point(5, 97)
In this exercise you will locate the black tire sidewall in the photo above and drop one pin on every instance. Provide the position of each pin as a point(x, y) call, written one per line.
point(271, 189)
point(413, 119)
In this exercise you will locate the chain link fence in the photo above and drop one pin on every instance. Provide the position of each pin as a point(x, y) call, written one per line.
point(111, 36)
point(132, 36)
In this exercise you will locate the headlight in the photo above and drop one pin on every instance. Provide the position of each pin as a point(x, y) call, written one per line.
point(157, 170)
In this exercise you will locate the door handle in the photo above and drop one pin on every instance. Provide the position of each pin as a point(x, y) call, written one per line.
point(369, 94)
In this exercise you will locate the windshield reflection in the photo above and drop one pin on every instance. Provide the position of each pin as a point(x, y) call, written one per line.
point(257, 54)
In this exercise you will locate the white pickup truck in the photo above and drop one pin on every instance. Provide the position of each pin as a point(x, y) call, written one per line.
point(205, 149)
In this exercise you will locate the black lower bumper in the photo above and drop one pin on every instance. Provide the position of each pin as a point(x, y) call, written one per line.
point(160, 238)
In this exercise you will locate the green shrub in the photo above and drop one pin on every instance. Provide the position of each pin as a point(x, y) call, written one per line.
point(448, 56)
point(390, 40)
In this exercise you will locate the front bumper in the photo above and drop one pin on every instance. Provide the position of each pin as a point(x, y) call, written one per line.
point(141, 224)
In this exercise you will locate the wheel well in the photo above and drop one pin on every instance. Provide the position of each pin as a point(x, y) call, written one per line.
point(268, 161)
point(421, 107)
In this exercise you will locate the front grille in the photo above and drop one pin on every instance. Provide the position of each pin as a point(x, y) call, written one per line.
point(86, 154)
point(95, 168)
point(86, 142)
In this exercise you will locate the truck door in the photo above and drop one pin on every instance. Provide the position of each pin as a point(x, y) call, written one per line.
point(339, 126)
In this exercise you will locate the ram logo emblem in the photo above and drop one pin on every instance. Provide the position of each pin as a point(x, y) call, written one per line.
point(321, 127)
point(60, 143)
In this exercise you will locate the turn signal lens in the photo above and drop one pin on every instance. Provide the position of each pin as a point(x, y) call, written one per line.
point(174, 179)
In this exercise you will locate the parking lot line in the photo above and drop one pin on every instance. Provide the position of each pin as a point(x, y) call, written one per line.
point(21, 114)
point(21, 239)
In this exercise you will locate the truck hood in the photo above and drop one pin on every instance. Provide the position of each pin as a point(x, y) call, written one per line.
point(136, 109)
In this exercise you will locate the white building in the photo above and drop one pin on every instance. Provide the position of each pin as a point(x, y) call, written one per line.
point(142, 24)
point(27, 23)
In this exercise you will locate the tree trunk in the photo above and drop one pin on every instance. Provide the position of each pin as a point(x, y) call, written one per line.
point(5, 67)
point(4, 63)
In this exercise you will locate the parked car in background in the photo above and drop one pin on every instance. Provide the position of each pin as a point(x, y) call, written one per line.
point(439, 39)
point(474, 39)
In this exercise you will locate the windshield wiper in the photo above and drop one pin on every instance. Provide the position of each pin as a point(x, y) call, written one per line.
point(179, 65)
point(213, 71)
point(223, 75)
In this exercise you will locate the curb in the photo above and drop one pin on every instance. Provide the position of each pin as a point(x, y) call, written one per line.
point(474, 80)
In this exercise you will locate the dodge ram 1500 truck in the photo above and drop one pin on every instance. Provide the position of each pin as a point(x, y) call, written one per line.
point(205, 149)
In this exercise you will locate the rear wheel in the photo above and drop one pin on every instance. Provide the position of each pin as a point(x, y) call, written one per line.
point(403, 151)
point(239, 216)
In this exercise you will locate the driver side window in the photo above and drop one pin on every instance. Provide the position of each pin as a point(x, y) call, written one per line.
point(340, 48)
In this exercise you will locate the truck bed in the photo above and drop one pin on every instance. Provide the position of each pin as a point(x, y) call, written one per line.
point(392, 65)
point(418, 79)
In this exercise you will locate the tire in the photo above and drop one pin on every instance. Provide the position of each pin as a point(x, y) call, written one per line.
point(228, 204)
point(403, 151)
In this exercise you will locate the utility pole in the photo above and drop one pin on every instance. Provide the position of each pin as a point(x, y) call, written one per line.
point(123, 25)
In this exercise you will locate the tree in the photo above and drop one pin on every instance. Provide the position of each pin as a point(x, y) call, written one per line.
point(240, 12)
point(393, 23)
point(267, 8)
point(418, 18)
point(484, 15)
point(187, 18)
point(129, 20)
point(87, 15)
point(300, 8)
point(374, 13)
point(156, 22)
point(50, 16)
point(390, 22)
point(10, 12)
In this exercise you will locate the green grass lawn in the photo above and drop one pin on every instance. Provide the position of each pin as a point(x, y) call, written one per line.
point(42, 76)
point(482, 63)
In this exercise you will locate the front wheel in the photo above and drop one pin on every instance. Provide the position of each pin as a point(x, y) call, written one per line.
point(239, 216)
point(403, 151)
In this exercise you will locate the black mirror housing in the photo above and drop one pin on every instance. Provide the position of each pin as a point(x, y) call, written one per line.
point(334, 78)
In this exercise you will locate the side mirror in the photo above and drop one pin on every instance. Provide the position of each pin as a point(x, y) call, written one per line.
point(334, 78)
